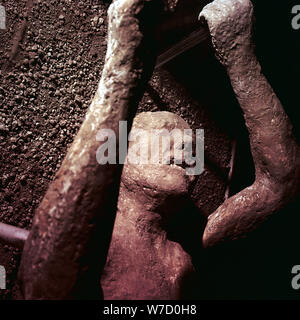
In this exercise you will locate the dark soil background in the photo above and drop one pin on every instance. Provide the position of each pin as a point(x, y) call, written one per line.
point(51, 58)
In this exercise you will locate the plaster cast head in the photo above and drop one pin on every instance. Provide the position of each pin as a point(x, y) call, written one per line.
point(157, 184)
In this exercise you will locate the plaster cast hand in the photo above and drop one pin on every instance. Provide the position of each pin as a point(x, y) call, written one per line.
point(230, 26)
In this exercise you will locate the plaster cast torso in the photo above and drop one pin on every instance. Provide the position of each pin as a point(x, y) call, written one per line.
point(142, 262)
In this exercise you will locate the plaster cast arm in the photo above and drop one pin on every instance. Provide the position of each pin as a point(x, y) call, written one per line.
point(274, 149)
point(73, 223)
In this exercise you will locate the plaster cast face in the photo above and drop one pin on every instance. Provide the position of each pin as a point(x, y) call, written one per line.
point(159, 181)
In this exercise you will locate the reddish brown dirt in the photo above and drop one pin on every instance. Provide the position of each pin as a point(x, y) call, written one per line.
point(48, 77)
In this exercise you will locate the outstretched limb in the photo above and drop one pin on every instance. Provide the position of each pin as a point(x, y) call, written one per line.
point(70, 235)
point(275, 152)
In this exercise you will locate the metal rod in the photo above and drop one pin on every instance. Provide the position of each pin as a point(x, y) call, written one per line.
point(13, 236)
point(182, 46)
point(231, 165)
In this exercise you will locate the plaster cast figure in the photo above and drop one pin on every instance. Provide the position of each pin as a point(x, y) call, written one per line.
point(62, 240)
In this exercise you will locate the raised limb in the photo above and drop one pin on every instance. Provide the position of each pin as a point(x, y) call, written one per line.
point(75, 219)
point(275, 152)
